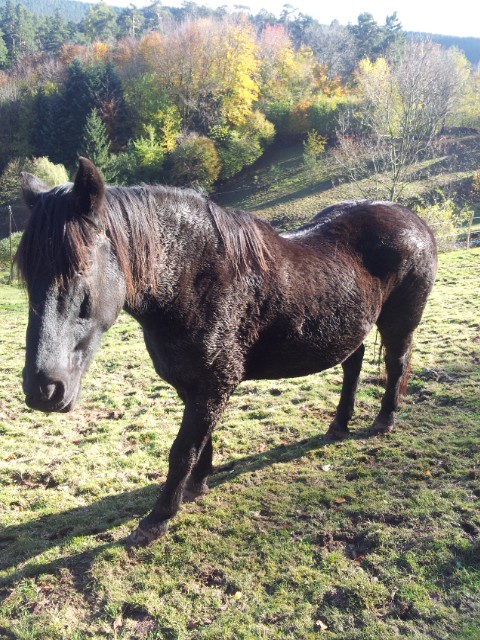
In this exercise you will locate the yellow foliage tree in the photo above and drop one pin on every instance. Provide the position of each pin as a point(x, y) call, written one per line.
point(209, 70)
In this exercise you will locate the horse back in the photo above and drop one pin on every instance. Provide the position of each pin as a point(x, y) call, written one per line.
point(385, 238)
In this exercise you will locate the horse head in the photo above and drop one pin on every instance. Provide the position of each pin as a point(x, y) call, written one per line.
point(74, 284)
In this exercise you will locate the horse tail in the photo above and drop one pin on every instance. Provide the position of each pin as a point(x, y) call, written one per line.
point(407, 371)
point(381, 370)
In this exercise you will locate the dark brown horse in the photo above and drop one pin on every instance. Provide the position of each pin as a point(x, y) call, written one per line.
point(221, 298)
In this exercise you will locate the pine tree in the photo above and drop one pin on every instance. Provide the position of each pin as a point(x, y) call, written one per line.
point(75, 103)
point(112, 107)
point(54, 33)
point(95, 142)
point(43, 132)
point(3, 51)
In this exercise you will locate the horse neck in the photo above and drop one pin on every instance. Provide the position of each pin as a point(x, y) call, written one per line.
point(168, 231)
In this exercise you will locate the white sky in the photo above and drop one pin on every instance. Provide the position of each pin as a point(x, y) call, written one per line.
point(447, 17)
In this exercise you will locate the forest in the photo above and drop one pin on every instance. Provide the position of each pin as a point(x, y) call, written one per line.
point(191, 96)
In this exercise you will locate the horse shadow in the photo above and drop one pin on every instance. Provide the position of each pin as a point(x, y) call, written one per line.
point(21, 544)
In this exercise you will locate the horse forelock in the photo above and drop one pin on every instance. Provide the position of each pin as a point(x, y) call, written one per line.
point(55, 239)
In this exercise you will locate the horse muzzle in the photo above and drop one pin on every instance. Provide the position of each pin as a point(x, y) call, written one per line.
point(49, 393)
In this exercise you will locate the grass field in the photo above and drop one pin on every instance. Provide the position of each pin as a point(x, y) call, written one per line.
point(371, 538)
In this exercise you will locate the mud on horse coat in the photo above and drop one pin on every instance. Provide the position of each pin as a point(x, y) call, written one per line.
point(221, 298)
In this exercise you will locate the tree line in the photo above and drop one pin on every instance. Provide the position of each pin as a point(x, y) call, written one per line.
point(193, 95)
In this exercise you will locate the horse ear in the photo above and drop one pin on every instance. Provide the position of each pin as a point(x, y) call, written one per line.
point(32, 189)
point(88, 188)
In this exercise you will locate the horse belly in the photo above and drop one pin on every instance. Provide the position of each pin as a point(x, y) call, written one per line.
point(293, 357)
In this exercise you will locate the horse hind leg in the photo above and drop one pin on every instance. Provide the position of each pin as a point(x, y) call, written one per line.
point(351, 373)
point(196, 484)
point(397, 363)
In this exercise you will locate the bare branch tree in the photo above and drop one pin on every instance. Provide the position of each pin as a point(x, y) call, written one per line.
point(404, 102)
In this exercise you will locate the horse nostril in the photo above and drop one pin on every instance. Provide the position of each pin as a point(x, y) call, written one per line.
point(52, 390)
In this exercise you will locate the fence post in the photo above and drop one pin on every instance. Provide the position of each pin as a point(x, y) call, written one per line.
point(470, 225)
point(10, 216)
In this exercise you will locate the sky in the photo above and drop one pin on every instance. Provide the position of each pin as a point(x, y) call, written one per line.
point(452, 18)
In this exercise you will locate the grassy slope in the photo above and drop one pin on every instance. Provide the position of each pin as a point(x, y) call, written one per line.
point(370, 538)
point(280, 188)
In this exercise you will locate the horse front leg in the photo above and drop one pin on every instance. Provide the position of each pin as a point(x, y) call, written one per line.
point(190, 458)
point(351, 373)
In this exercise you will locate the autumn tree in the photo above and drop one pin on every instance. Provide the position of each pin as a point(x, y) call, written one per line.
point(209, 71)
point(404, 103)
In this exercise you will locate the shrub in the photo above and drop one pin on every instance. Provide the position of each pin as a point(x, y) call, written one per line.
point(148, 155)
point(194, 161)
point(313, 147)
point(238, 148)
point(52, 174)
point(323, 114)
point(446, 221)
point(278, 114)
point(10, 180)
point(5, 249)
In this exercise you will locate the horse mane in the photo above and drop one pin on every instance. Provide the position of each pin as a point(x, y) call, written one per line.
point(60, 238)
point(243, 237)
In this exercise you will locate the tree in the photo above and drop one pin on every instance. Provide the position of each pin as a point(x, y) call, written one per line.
point(208, 68)
point(333, 46)
point(194, 161)
point(373, 40)
point(112, 107)
point(100, 23)
point(54, 33)
point(130, 22)
point(3, 51)
point(74, 104)
point(19, 33)
point(404, 103)
point(95, 142)
point(368, 36)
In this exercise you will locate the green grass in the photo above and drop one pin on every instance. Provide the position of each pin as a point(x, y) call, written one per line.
point(371, 538)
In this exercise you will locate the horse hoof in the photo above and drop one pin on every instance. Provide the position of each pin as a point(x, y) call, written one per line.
point(335, 433)
point(381, 428)
point(194, 491)
point(142, 536)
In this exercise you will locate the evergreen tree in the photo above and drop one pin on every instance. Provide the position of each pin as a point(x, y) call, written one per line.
point(112, 107)
point(3, 51)
point(394, 35)
point(9, 26)
point(54, 33)
point(95, 142)
point(100, 23)
point(75, 103)
point(44, 130)
point(130, 22)
point(368, 36)
point(26, 31)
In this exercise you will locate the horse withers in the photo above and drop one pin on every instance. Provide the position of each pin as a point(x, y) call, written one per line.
point(221, 298)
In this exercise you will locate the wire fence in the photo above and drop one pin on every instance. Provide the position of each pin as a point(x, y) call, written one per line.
point(448, 237)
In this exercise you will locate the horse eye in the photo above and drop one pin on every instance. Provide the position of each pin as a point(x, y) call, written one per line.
point(85, 308)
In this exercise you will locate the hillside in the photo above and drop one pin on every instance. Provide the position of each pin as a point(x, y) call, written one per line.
point(282, 189)
point(70, 10)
